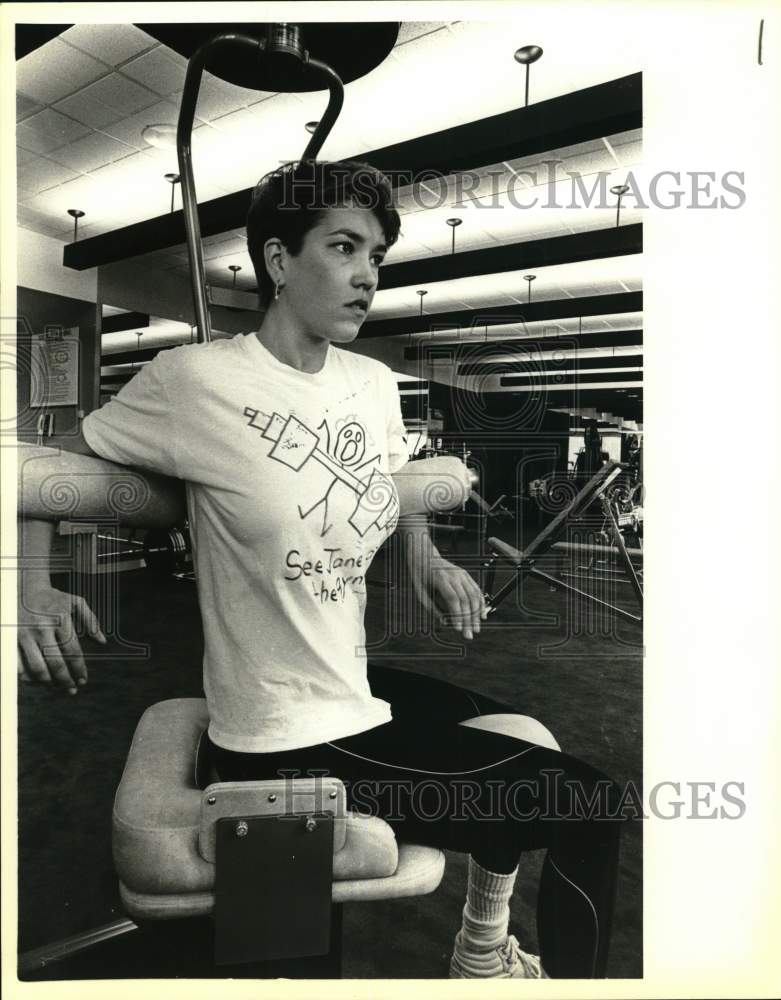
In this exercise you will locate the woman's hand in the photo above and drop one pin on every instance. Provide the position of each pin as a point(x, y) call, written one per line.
point(450, 592)
point(49, 651)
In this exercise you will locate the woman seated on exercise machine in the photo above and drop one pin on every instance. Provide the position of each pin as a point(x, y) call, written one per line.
point(288, 446)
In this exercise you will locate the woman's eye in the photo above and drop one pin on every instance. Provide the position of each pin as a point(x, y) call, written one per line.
point(346, 247)
point(377, 259)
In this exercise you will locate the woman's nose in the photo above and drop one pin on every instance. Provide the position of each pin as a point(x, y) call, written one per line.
point(365, 274)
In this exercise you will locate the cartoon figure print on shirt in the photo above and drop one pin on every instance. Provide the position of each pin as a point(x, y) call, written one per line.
point(343, 457)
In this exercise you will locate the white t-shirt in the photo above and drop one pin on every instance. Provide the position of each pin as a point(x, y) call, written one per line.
point(289, 496)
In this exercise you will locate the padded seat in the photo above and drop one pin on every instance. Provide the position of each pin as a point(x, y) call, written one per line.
point(157, 825)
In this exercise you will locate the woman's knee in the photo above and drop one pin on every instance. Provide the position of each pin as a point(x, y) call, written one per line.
point(521, 727)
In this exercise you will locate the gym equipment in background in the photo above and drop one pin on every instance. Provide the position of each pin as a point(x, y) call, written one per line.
point(168, 552)
point(596, 491)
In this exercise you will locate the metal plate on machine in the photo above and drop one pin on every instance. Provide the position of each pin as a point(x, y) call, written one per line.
point(273, 887)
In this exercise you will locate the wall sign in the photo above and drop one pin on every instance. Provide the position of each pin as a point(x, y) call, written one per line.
point(54, 375)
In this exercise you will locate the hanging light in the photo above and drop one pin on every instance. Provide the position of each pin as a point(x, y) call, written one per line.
point(620, 190)
point(139, 335)
point(529, 278)
point(420, 292)
point(173, 180)
point(527, 55)
point(235, 268)
point(453, 223)
point(311, 127)
point(75, 214)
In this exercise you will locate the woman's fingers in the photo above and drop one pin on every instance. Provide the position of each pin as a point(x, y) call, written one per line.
point(51, 647)
point(73, 657)
point(463, 600)
point(88, 619)
point(32, 662)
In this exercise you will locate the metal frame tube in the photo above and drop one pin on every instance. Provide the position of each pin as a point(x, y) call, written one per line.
point(192, 84)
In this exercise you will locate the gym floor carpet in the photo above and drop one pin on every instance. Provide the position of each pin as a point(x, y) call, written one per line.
point(583, 682)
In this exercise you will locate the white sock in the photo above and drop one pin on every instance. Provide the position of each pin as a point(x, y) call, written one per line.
point(485, 920)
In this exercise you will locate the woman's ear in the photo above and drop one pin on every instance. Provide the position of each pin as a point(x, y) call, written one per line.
point(274, 254)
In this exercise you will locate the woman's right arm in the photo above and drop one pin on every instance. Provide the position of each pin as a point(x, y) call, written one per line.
point(70, 482)
point(67, 480)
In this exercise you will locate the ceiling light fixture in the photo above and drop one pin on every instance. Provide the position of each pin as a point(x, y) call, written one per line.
point(75, 214)
point(529, 278)
point(620, 190)
point(235, 268)
point(526, 56)
point(452, 223)
point(311, 126)
point(139, 334)
point(159, 136)
point(173, 180)
point(420, 292)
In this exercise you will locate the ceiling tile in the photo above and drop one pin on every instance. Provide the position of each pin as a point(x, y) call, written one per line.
point(23, 156)
point(216, 99)
point(42, 174)
point(410, 30)
point(34, 142)
point(94, 151)
point(83, 193)
point(40, 85)
point(51, 123)
point(157, 71)
point(88, 110)
point(55, 70)
point(39, 222)
point(122, 94)
point(76, 67)
point(112, 43)
point(26, 107)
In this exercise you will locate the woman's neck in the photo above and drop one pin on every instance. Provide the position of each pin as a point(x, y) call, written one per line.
point(281, 337)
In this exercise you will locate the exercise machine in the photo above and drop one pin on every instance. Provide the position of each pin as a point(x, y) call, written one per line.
point(267, 864)
point(595, 494)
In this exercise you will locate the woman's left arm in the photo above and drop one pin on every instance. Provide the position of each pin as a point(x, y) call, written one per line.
point(442, 588)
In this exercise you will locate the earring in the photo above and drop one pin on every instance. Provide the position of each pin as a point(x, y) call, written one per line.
point(277, 288)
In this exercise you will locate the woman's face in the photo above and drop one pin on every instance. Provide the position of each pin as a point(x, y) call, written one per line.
point(330, 284)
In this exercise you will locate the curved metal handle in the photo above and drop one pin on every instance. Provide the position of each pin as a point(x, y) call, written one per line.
point(192, 85)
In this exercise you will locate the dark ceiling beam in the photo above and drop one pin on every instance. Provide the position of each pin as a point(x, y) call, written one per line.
point(156, 234)
point(563, 366)
point(615, 401)
point(591, 113)
point(587, 114)
point(617, 241)
point(476, 358)
point(475, 353)
point(117, 322)
point(570, 380)
point(478, 319)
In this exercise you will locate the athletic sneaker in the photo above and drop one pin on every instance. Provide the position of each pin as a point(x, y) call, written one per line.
point(508, 961)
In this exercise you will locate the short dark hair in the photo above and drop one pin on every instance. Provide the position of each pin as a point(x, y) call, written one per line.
point(291, 200)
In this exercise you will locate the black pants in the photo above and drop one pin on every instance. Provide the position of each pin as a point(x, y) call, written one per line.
point(481, 793)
